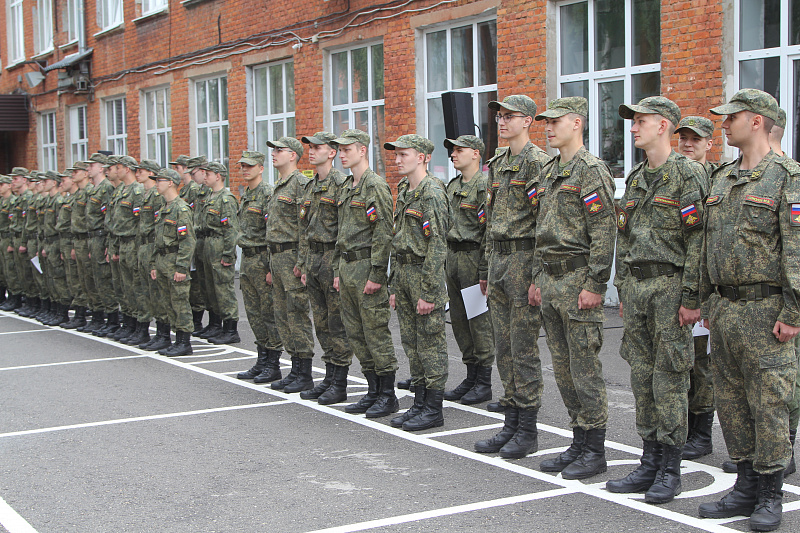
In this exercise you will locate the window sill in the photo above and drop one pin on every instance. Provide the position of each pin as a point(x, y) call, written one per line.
point(44, 54)
point(70, 44)
point(153, 14)
point(16, 64)
point(110, 30)
point(192, 3)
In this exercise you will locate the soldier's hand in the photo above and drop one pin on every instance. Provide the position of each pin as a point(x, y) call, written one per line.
point(589, 299)
point(10, 248)
point(296, 272)
point(23, 249)
point(62, 256)
point(784, 332)
point(620, 309)
point(153, 274)
point(372, 287)
point(178, 277)
point(392, 301)
point(423, 307)
point(115, 258)
point(706, 324)
point(688, 317)
point(72, 254)
point(336, 283)
point(269, 278)
point(223, 263)
point(107, 257)
point(534, 295)
point(484, 285)
point(303, 279)
point(89, 255)
point(44, 254)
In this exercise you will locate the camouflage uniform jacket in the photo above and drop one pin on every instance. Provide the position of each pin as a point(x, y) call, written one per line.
point(6, 207)
point(32, 216)
point(576, 216)
point(253, 215)
point(112, 242)
point(189, 193)
point(50, 223)
point(286, 209)
point(64, 221)
point(663, 223)
point(220, 218)
point(96, 208)
point(125, 221)
point(19, 213)
point(753, 230)
point(468, 214)
point(202, 195)
point(365, 221)
point(149, 210)
point(79, 210)
point(320, 223)
point(174, 228)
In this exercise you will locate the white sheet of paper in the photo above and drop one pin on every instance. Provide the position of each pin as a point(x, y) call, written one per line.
point(35, 261)
point(474, 301)
point(699, 330)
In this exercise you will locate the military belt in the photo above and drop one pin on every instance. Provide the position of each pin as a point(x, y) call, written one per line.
point(559, 268)
point(653, 270)
point(98, 233)
point(464, 246)
point(749, 293)
point(282, 247)
point(126, 238)
point(17, 234)
point(363, 253)
point(321, 247)
point(52, 238)
point(80, 236)
point(252, 251)
point(202, 233)
point(409, 259)
point(167, 250)
point(513, 245)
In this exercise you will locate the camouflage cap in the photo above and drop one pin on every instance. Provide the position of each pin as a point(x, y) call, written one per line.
point(352, 136)
point(111, 161)
point(563, 106)
point(781, 122)
point(127, 161)
point(412, 140)
point(150, 165)
point(466, 141)
point(700, 125)
point(181, 160)
point(97, 157)
point(516, 102)
point(321, 137)
point(252, 158)
point(653, 105)
point(168, 174)
point(752, 100)
point(53, 175)
point(216, 168)
point(5, 179)
point(78, 165)
point(288, 142)
point(19, 171)
point(35, 176)
point(196, 162)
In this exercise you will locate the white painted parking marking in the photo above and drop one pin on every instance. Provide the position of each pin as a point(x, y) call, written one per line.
point(25, 331)
point(12, 521)
point(61, 363)
point(462, 430)
point(220, 360)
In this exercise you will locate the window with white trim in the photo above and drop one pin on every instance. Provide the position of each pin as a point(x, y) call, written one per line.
point(15, 29)
point(609, 51)
point(157, 125)
point(44, 26)
point(152, 6)
point(273, 106)
point(767, 56)
point(357, 96)
point(461, 58)
point(211, 103)
point(78, 134)
point(74, 20)
point(116, 126)
point(109, 14)
point(48, 141)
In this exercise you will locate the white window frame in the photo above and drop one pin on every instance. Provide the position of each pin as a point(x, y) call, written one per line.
point(787, 55)
point(48, 141)
point(116, 133)
point(162, 137)
point(44, 27)
point(15, 26)
point(221, 125)
point(375, 148)
point(286, 119)
point(74, 21)
point(595, 78)
point(78, 140)
point(474, 90)
point(153, 6)
point(110, 14)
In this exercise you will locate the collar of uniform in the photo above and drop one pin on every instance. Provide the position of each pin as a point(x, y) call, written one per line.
point(465, 189)
point(758, 171)
point(283, 182)
point(321, 185)
point(505, 163)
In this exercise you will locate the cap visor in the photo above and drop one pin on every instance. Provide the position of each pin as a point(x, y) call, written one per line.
point(698, 131)
point(276, 145)
point(496, 106)
point(727, 109)
point(313, 140)
point(552, 113)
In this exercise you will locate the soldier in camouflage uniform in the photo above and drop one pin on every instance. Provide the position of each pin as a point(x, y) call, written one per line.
point(512, 206)
point(220, 222)
point(575, 235)
point(750, 289)
point(170, 262)
point(51, 253)
point(359, 270)
point(44, 188)
point(257, 294)
point(7, 200)
point(417, 285)
point(29, 247)
point(19, 184)
point(112, 246)
point(660, 222)
point(63, 227)
point(320, 228)
point(197, 294)
point(286, 211)
point(76, 237)
point(466, 265)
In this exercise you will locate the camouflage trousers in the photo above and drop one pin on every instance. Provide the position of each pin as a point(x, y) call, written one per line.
point(23, 266)
point(474, 337)
point(85, 273)
point(326, 308)
point(660, 354)
point(73, 276)
point(57, 273)
point(38, 285)
point(754, 375)
point(701, 386)
point(197, 290)
point(101, 271)
point(794, 405)
point(154, 305)
point(423, 336)
point(258, 300)
point(219, 280)
point(516, 328)
point(133, 301)
point(290, 301)
point(116, 281)
point(9, 267)
point(366, 318)
point(175, 295)
point(3, 277)
point(575, 337)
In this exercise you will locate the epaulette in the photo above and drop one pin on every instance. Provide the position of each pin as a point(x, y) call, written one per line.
point(499, 152)
point(632, 172)
point(721, 168)
point(791, 166)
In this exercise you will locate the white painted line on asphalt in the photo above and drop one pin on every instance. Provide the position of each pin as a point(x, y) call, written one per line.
point(60, 363)
point(446, 511)
point(140, 419)
point(12, 521)
point(25, 331)
point(462, 430)
point(219, 360)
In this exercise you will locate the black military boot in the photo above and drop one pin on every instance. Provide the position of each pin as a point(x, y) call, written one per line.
point(2, 296)
point(526, 439)
point(386, 403)
point(54, 314)
point(769, 507)
point(792, 467)
point(128, 324)
point(482, 390)
point(368, 399)
point(698, 444)
point(592, 460)
point(141, 335)
point(496, 407)
point(463, 387)
point(98, 321)
point(272, 368)
point(181, 346)
point(77, 320)
point(229, 335)
point(303, 381)
point(214, 327)
point(11, 303)
point(160, 341)
point(563, 460)
point(431, 415)
point(197, 320)
point(406, 385)
point(25, 305)
point(510, 426)
point(256, 369)
point(33, 307)
point(337, 392)
point(322, 386)
point(415, 409)
point(290, 377)
point(16, 303)
point(44, 310)
point(729, 467)
point(61, 317)
point(111, 326)
point(740, 501)
point(644, 475)
point(667, 483)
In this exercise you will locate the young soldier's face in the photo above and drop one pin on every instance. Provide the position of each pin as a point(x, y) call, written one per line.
point(319, 154)
point(281, 157)
point(199, 176)
point(645, 129)
point(462, 157)
point(510, 124)
point(408, 160)
point(692, 145)
point(95, 169)
point(250, 172)
point(738, 127)
point(142, 175)
point(66, 183)
point(352, 154)
point(47, 185)
point(559, 131)
point(162, 185)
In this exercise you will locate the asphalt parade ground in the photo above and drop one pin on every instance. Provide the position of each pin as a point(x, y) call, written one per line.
point(99, 437)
